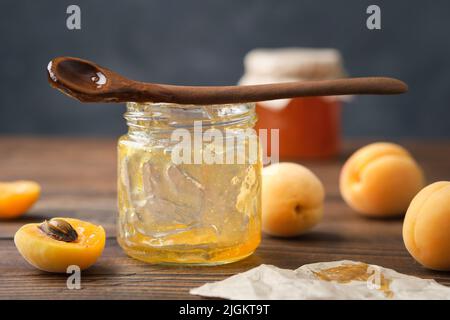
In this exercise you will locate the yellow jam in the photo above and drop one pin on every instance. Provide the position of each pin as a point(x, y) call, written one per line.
point(185, 213)
point(355, 272)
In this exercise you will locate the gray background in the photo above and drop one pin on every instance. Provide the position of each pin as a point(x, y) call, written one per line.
point(200, 42)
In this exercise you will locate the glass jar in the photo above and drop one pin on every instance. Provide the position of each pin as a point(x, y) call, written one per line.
point(309, 127)
point(199, 210)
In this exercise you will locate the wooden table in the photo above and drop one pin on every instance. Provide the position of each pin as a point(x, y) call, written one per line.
point(78, 177)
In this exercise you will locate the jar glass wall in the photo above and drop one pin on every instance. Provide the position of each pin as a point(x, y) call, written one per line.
point(202, 210)
point(308, 127)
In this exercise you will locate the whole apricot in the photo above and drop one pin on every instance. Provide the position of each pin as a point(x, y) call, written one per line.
point(380, 180)
point(59, 243)
point(426, 228)
point(17, 197)
point(292, 199)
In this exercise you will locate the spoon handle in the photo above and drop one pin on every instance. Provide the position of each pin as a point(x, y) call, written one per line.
point(238, 94)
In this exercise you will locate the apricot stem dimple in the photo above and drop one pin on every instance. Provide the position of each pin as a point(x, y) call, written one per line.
point(59, 229)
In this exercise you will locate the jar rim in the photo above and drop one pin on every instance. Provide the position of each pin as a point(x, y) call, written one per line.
point(167, 116)
point(185, 106)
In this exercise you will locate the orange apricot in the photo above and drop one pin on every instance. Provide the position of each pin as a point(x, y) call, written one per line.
point(17, 197)
point(380, 180)
point(292, 199)
point(55, 245)
point(426, 228)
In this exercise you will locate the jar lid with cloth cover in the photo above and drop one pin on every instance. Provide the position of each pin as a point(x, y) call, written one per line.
point(291, 64)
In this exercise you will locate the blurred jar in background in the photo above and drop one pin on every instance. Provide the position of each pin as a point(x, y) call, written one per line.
point(309, 127)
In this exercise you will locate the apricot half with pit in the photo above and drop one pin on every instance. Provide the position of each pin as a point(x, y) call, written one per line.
point(292, 199)
point(426, 228)
point(17, 197)
point(380, 180)
point(55, 245)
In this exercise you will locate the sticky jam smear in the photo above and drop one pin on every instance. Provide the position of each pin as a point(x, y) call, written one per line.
point(356, 272)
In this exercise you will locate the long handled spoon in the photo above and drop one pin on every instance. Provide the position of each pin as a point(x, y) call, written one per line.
point(89, 82)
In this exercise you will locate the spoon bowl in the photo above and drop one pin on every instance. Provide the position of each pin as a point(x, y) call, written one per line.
point(81, 74)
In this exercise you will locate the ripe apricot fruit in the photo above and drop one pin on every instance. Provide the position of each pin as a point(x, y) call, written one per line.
point(17, 197)
point(426, 229)
point(292, 199)
point(380, 180)
point(56, 244)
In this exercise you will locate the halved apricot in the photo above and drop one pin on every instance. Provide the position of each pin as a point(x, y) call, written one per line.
point(53, 246)
point(17, 197)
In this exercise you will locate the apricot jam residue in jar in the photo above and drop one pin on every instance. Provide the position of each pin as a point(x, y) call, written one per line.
point(185, 213)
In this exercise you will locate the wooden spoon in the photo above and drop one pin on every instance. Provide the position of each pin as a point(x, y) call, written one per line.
point(89, 82)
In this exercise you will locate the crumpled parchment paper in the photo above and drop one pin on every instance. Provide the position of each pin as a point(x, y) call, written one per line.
point(335, 280)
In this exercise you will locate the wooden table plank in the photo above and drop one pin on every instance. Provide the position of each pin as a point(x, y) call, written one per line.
point(78, 176)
